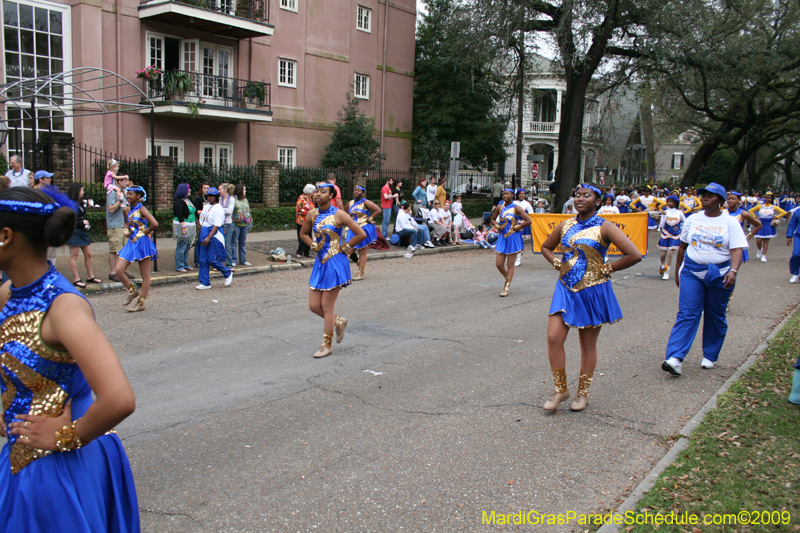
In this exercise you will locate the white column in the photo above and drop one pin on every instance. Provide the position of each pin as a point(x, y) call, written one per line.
point(555, 160)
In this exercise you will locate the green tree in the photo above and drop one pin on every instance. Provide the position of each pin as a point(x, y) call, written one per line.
point(353, 144)
point(455, 91)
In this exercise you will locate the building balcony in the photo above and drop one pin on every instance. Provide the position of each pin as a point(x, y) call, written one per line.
point(544, 127)
point(238, 19)
point(181, 93)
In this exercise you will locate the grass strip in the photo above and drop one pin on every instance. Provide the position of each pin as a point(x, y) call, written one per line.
point(743, 457)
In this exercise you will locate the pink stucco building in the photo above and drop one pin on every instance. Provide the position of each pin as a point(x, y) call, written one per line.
point(267, 76)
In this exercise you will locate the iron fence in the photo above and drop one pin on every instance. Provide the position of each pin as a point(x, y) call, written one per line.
point(210, 88)
point(36, 155)
point(293, 179)
point(257, 10)
point(91, 164)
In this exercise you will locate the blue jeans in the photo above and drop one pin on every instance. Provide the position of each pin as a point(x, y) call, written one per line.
point(387, 218)
point(211, 256)
point(228, 243)
point(483, 244)
point(196, 243)
point(239, 242)
point(182, 254)
point(424, 233)
point(413, 236)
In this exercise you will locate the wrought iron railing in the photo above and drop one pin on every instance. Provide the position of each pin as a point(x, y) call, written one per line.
point(544, 127)
point(202, 88)
point(257, 10)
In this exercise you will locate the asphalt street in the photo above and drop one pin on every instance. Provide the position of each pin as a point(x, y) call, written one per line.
point(425, 416)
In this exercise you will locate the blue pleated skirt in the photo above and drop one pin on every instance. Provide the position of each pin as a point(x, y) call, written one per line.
point(623, 209)
point(372, 236)
point(83, 491)
point(652, 223)
point(141, 249)
point(335, 272)
point(767, 231)
point(668, 244)
point(509, 245)
point(526, 231)
point(590, 307)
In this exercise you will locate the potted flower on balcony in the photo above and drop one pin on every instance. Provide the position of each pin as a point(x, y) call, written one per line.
point(151, 73)
point(176, 83)
point(255, 94)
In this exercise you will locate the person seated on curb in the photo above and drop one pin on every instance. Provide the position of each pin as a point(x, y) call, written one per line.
point(406, 227)
point(441, 229)
point(424, 234)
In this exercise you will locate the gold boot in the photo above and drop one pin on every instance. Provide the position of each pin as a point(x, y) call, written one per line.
point(132, 294)
point(341, 323)
point(139, 306)
point(582, 398)
point(561, 393)
point(507, 286)
point(325, 349)
point(359, 273)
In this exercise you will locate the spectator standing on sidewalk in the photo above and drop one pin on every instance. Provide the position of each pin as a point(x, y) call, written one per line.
point(305, 203)
point(441, 193)
point(227, 202)
point(18, 175)
point(242, 221)
point(199, 202)
point(430, 192)
point(420, 196)
point(184, 226)
point(338, 200)
point(397, 193)
point(116, 209)
point(497, 191)
point(80, 239)
point(387, 201)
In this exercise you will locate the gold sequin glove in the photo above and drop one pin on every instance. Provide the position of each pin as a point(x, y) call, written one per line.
point(346, 249)
point(557, 264)
point(316, 246)
point(515, 228)
point(606, 269)
point(66, 439)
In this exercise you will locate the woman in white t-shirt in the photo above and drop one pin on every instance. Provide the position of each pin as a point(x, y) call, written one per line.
point(710, 253)
point(522, 201)
point(458, 220)
point(430, 192)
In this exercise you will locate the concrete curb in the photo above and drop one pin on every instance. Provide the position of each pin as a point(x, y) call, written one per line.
point(650, 479)
point(277, 267)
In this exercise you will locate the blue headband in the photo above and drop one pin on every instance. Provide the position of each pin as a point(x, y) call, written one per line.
point(735, 193)
point(360, 188)
point(509, 190)
point(591, 187)
point(29, 208)
point(323, 185)
point(138, 188)
point(520, 190)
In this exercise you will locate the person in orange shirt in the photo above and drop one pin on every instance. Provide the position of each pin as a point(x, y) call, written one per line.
point(305, 203)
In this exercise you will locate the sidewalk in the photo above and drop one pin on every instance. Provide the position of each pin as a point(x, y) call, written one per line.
point(258, 246)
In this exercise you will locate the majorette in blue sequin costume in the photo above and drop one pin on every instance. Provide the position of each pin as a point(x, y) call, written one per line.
point(140, 245)
point(740, 219)
point(331, 267)
point(509, 241)
point(583, 294)
point(85, 490)
point(360, 214)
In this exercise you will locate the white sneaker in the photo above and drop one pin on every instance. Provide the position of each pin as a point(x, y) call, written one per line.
point(429, 244)
point(203, 287)
point(408, 255)
point(672, 365)
point(411, 248)
point(763, 258)
point(758, 253)
point(229, 280)
point(418, 247)
point(794, 279)
point(247, 263)
point(519, 259)
point(707, 364)
point(666, 275)
point(233, 265)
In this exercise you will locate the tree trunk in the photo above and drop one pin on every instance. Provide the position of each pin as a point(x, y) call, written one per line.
point(745, 159)
point(704, 154)
point(570, 136)
point(787, 171)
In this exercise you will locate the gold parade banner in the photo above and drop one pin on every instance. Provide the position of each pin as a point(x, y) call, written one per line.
point(633, 225)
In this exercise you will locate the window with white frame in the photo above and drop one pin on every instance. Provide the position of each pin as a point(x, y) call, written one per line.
point(677, 160)
point(37, 37)
point(364, 19)
point(361, 86)
point(289, 5)
point(173, 149)
point(211, 65)
point(216, 154)
point(287, 156)
point(287, 73)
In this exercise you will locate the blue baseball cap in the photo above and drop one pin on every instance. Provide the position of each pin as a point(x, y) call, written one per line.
point(714, 188)
point(674, 198)
point(212, 190)
point(42, 174)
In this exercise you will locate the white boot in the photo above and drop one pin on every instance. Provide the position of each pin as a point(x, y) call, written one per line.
point(666, 273)
point(758, 253)
point(519, 259)
point(794, 279)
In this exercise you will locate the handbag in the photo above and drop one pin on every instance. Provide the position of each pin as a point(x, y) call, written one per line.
point(240, 218)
